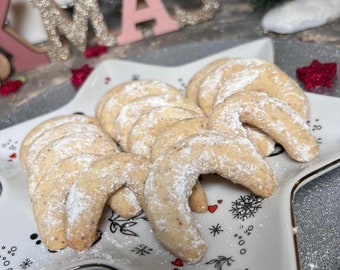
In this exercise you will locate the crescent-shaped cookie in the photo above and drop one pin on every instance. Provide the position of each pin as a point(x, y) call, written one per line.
point(87, 197)
point(172, 135)
point(125, 93)
point(144, 132)
point(67, 146)
point(125, 203)
point(237, 74)
point(132, 111)
point(267, 78)
point(194, 84)
point(105, 98)
point(53, 134)
point(272, 115)
point(150, 87)
point(209, 80)
point(213, 80)
point(173, 175)
point(262, 141)
point(47, 125)
point(49, 200)
point(177, 132)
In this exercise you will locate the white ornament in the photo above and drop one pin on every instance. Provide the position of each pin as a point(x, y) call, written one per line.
point(298, 15)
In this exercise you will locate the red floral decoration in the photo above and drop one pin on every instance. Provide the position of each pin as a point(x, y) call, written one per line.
point(95, 51)
point(317, 75)
point(11, 86)
point(79, 75)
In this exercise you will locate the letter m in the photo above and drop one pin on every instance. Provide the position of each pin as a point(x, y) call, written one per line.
point(57, 22)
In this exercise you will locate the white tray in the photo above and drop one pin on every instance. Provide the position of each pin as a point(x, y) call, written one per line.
point(242, 231)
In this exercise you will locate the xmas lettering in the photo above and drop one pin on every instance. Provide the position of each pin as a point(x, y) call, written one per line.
point(75, 29)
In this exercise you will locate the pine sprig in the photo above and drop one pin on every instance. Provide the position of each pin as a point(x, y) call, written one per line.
point(264, 4)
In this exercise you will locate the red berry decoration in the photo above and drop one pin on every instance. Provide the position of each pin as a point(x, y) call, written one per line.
point(177, 262)
point(12, 86)
point(95, 51)
point(317, 75)
point(80, 75)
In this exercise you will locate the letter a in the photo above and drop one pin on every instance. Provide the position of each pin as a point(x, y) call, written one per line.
point(131, 16)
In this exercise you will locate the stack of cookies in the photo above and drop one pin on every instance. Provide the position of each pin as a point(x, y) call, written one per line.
point(148, 145)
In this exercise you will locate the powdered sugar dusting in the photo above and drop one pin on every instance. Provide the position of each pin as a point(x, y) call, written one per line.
point(269, 114)
point(67, 146)
point(145, 130)
point(55, 133)
point(53, 122)
point(174, 174)
point(237, 82)
point(132, 199)
point(49, 198)
point(133, 110)
point(267, 78)
point(79, 202)
point(216, 76)
point(215, 79)
point(129, 92)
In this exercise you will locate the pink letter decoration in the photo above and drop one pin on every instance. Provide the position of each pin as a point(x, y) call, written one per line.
point(155, 10)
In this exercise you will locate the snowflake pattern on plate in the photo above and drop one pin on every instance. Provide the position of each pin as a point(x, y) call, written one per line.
point(216, 229)
point(26, 264)
point(246, 206)
point(142, 250)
